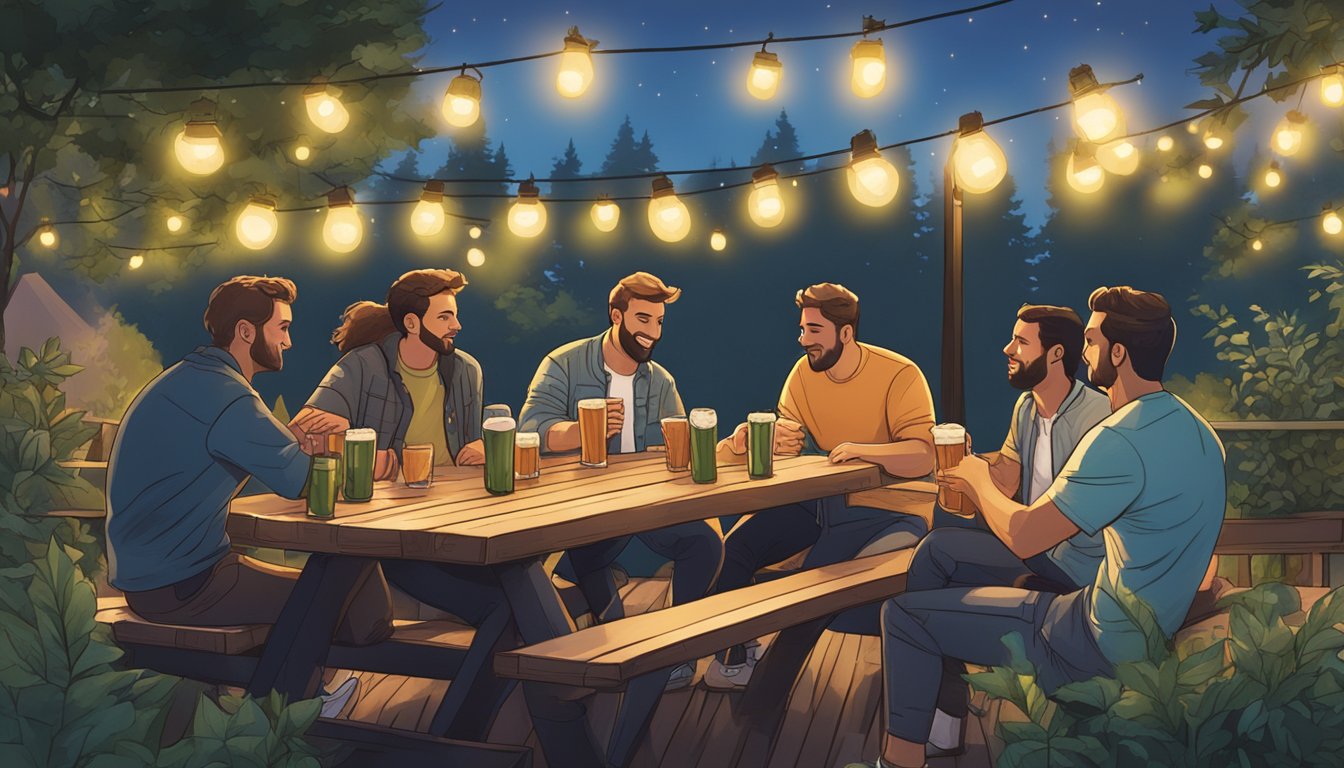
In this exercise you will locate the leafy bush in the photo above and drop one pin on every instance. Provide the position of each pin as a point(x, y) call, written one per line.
point(123, 360)
point(243, 730)
point(1264, 695)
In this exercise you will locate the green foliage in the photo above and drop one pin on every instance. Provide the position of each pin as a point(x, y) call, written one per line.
point(528, 310)
point(241, 729)
point(123, 359)
point(1264, 695)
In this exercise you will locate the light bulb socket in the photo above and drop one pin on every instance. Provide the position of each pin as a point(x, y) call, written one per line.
point(765, 173)
point(577, 42)
point(433, 192)
point(867, 49)
point(766, 60)
point(340, 197)
point(201, 110)
point(1273, 165)
point(662, 187)
point(1295, 117)
point(971, 122)
point(1333, 69)
point(265, 201)
point(871, 25)
point(862, 146)
point(1082, 80)
point(465, 86)
point(528, 190)
point(1084, 156)
point(203, 129)
point(320, 87)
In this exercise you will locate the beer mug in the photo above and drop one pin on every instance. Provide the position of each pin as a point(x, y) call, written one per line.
point(322, 481)
point(677, 440)
point(949, 447)
point(497, 434)
point(361, 448)
point(760, 445)
point(704, 439)
point(593, 432)
point(526, 456)
point(336, 449)
point(417, 465)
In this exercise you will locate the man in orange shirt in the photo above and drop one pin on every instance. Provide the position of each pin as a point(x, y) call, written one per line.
point(851, 401)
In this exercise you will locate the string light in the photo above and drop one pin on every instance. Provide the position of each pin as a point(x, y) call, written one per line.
point(427, 216)
point(978, 164)
point(1165, 143)
point(475, 257)
point(1192, 127)
point(462, 102)
point(325, 109)
point(46, 236)
point(1205, 170)
point(302, 152)
point(1332, 85)
point(668, 217)
point(1083, 172)
point(717, 240)
point(343, 230)
point(1330, 221)
point(872, 180)
point(765, 206)
point(136, 261)
point(527, 216)
point(197, 146)
point(474, 232)
point(605, 215)
point(1096, 115)
point(868, 63)
point(1273, 178)
point(764, 75)
point(1256, 245)
point(576, 65)
point(174, 223)
point(257, 226)
point(1119, 157)
point(1288, 134)
point(1213, 139)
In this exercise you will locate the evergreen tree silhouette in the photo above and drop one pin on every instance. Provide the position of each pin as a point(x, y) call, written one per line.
point(569, 166)
point(645, 159)
point(780, 145)
point(623, 157)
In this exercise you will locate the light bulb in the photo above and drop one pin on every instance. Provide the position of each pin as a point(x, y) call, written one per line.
point(764, 204)
point(47, 237)
point(462, 102)
point(1331, 223)
point(527, 216)
point(1096, 115)
point(872, 180)
point(717, 240)
point(174, 223)
point(427, 216)
point(576, 65)
point(868, 68)
point(1205, 170)
point(325, 109)
point(136, 261)
point(764, 76)
point(605, 215)
point(1165, 143)
point(1119, 157)
point(668, 217)
point(1256, 245)
point(302, 152)
point(343, 230)
point(475, 257)
point(978, 164)
point(1213, 140)
point(1192, 127)
point(1288, 133)
point(1083, 172)
point(474, 232)
point(257, 225)
point(1273, 178)
point(198, 146)
point(1332, 86)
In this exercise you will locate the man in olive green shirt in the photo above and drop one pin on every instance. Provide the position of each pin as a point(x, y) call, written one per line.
point(427, 422)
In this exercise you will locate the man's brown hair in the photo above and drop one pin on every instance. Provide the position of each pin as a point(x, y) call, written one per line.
point(244, 297)
point(1142, 321)
point(836, 302)
point(1058, 325)
point(641, 285)
point(368, 322)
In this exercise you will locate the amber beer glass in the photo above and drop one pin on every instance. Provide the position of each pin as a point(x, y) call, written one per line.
point(417, 465)
point(526, 456)
point(593, 432)
point(677, 439)
point(949, 446)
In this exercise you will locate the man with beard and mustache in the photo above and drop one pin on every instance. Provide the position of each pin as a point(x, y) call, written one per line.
point(188, 443)
point(1149, 478)
point(617, 364)
point(853, 402)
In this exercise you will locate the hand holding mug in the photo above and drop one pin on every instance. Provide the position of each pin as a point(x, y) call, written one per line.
point(615, 415)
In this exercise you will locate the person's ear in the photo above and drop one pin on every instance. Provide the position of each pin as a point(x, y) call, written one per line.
point(846, 333)
point(246, 331)
point(1118, 354)
point(1057, 353)
point(412, 323)
point(616, 316)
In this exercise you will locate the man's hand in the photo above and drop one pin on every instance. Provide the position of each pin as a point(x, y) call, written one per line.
point(788, 437)
point(386, 465)
point(311, 421)
point(970, 477)
point(737, 442)
point(472, 454)
point(847, 452)
point(615, 415)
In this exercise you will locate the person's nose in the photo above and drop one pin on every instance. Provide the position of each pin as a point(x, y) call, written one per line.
point(1008, 349)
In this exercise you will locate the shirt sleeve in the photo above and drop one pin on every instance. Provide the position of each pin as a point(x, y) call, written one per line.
point(339, 391)
point(789, 405)
point(910, 407)
point(471, 420)
point(547, 402)
point(1011, 442)
point(1102, 477)
point(249, 437)
point(670, 403)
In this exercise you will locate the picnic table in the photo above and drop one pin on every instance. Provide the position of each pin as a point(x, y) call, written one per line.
point(457, 521)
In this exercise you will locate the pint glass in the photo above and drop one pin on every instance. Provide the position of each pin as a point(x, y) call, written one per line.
point(949, 447)
point(526, 456)
point(760, 445)
point(677, 439)
point(322, 482)
point(417, 465)
point(497, 433)
point(593, 432)
point(704, 439)
point(336, 449)
point(361, 446)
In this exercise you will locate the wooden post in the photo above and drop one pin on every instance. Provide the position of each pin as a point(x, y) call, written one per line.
point(952, 386)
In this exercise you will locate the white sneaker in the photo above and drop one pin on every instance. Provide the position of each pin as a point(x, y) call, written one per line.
point(732, 677)
point(680, 677)
point(334, 702)
point(947, 737)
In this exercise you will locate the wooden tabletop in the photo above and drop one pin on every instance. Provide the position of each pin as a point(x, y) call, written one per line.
point(457, 521)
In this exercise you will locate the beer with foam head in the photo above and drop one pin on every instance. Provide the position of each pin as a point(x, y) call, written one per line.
point(361, 447)
point(322, 482)
point(704, 440)
point(760, 445)
point(949, 447)
point(593, 432)
point(526, 456)
point(497, 433)
point(677, 440)
point(417, 465)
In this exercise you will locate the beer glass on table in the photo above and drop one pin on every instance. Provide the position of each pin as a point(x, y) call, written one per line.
point(322, 481)
point(677, 440)
point(361, 448)
point(336, 450)
point(527, 456)
point(417, 465)
point(497, 433)
point(593, 432)
point(704, 440)
point(949, 447)
point(760, 445)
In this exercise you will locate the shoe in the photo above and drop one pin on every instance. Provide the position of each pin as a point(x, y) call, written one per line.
point(947, 738)
point(732, 677)
point(680, 677)
point(334, 702)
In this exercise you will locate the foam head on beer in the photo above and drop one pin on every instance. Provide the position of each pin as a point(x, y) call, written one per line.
point(761, 418)
point(527, 440)
point(592, 404)
point(361, 435)
point(499, 424)
point(704, 418)
point(949, 434)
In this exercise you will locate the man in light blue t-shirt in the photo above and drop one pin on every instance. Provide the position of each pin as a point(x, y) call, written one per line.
point(1149, 479)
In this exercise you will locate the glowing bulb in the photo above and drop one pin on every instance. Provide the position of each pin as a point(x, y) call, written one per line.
point(1332, 86)
point(343, 230)
point(302, 152)
point(717, 240)
point(1273, 178)
point(474, 232)
point(136, 261)
point(1096, 115)
point(1083, 172)
point(462, 102)
point(576, 65)
point(1213, 140)
point(1205, 170)
point(1288, 133)
point(527, 216)
point(605, 215)
point(174, 223)
point(978, 164)
point(1331, 223)
point(1192, 127)
point(475, 257)
point(47, 237)
point(869, 68)
point(764, 204)
point(325, 109)
point(668, 217)
point(872, 180)
point(1118, 157)
point(427, 216)
point(198, 147)
point(764, 76)
point(257, 225)
point(1256, 245)
point(1165, 144)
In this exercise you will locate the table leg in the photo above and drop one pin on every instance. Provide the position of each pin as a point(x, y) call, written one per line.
point(297, 646)
point(561, 723)
point(476, 693)
point(638, 704)
point(764, 704)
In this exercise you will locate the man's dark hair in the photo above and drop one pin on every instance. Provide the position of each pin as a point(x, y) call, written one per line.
point(836, 302)
point(1142, 321)
point(245, 297)
point(1058, 326)
point(367, 322)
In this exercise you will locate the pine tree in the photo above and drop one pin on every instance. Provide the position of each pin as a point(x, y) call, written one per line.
point(623, 157)
point(499, 163)
point(569, 166)
point(644, 156)
point(780, 145)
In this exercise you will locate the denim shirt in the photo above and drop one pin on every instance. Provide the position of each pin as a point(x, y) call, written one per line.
point(365, 387)
point(576, 372)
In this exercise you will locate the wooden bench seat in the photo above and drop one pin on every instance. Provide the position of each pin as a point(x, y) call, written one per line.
point(609, 655)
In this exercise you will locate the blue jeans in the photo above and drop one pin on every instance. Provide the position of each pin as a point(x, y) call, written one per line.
point(972, 557)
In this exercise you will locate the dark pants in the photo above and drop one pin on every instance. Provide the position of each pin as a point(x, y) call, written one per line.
point(467, 592)
point(970, 557)
point(695, 549)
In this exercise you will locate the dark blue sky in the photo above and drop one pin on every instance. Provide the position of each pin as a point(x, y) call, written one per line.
point(695, 107)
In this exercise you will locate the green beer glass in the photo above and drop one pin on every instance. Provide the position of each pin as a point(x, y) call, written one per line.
point(704, 439)
point(323, 480)
point(361, 447)
point(497, 433)
point(760, 445)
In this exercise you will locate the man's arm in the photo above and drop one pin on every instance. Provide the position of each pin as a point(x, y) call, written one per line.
point(1026, 531)
point(909, 412)
point(1005, 472)
point(334, 403)
point(546, 409)
point(247, 436)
